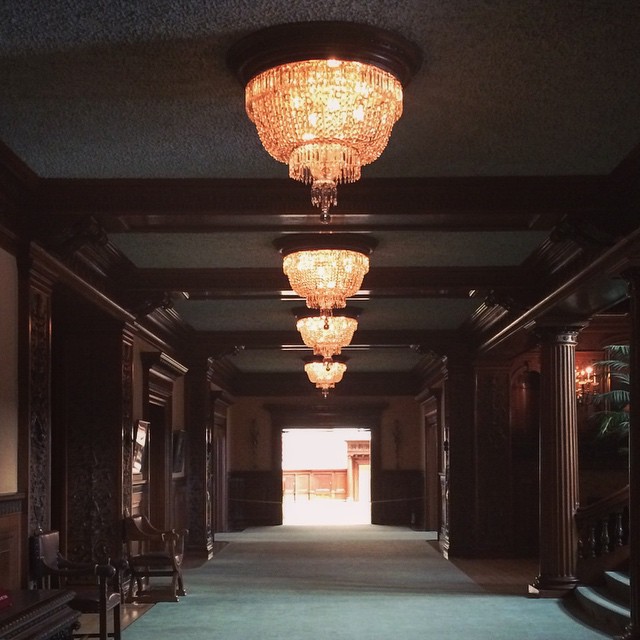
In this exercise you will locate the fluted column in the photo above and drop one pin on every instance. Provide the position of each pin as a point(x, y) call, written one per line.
point(632, 631)
point(558, 462)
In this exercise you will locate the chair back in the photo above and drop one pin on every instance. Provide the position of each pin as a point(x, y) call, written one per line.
point(44, 553)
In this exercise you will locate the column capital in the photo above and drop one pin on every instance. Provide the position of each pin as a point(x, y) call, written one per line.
point(559, 330)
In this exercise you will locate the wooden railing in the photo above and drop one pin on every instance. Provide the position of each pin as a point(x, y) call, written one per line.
point(603, 529)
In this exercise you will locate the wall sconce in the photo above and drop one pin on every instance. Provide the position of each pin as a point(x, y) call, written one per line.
point(586, 383)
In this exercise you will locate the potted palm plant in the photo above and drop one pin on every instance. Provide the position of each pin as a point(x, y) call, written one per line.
point(613, 418)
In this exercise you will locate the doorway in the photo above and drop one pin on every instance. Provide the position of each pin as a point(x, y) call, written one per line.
point(326, 476)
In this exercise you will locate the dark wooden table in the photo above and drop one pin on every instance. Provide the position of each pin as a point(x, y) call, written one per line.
point(41, 615)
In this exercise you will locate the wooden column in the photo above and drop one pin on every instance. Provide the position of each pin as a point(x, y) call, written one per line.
point(459, 484)
point(632, 631)
point(200, 461)
point(558, 462)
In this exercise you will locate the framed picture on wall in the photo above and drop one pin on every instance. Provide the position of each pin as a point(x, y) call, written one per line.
point(179, 444)
point(140, 446)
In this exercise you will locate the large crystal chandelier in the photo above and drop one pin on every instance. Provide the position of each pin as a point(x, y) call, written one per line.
point(325, 269)
point(325, 375)
point(324, 97)
point(325, 334)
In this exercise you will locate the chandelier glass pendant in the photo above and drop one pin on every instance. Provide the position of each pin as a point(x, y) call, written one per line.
point(325, 374)
point(324, 97)
point(325, 334)
point(325, 119)
point(325, 269)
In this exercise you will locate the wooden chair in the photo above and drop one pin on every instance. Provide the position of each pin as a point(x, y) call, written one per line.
point(95, 586)
point(153, 553)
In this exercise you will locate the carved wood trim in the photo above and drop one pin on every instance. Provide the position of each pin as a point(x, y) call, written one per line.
point(127, 422)
point(161, 371)
point(39, 402)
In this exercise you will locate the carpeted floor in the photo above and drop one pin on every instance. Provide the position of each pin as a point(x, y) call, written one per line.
point(340, 583)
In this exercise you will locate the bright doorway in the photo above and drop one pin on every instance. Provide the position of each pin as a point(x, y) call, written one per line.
point(326, 476)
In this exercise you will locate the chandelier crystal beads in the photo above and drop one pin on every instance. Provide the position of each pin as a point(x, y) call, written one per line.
point(325, 119)
point(325, 375)
point(326, 335)
point(325, 269)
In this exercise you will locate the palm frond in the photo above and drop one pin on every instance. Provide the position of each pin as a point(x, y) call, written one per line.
point(612, 422)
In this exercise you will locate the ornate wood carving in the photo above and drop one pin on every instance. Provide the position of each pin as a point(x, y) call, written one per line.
point(39, 406)
point(94, 452)
point(127, 422)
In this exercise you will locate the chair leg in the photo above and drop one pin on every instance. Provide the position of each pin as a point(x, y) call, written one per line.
point(116, 623)
point(174, 586)
point(181, 590)
point(103, 633)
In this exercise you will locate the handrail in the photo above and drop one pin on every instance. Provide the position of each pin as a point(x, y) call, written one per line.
point(603, 505)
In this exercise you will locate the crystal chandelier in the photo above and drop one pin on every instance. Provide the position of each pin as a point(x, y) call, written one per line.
point(326, 334)
point(325, 374)
point(324, 97)
point(325, 269)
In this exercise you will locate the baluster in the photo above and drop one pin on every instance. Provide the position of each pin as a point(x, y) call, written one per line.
point(604, 536)
point(591, 542)
point(619, 530)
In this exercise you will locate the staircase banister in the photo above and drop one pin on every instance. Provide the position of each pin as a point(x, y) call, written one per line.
point(604, 506)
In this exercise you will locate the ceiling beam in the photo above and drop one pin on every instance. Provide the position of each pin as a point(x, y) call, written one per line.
point(398, 282)
point(217, 342)
point(456, 203)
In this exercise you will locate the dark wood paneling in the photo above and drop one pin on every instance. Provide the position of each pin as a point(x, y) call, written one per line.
point(493, 461)
point(11, 543)
point(399, 498)
point(255, 499)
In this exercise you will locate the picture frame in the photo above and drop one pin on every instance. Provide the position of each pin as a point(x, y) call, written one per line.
point(179, 453)
point(140, 446)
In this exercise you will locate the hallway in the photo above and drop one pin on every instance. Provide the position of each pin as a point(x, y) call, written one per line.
point(346, 582)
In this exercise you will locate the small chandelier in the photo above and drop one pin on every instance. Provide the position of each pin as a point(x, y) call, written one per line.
point(326, 334)
point(325, 269)
point(324, 97)
point(325, 374)
point(586, 383)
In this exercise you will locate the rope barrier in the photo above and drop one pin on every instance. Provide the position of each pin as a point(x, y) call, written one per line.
point(280, 501)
